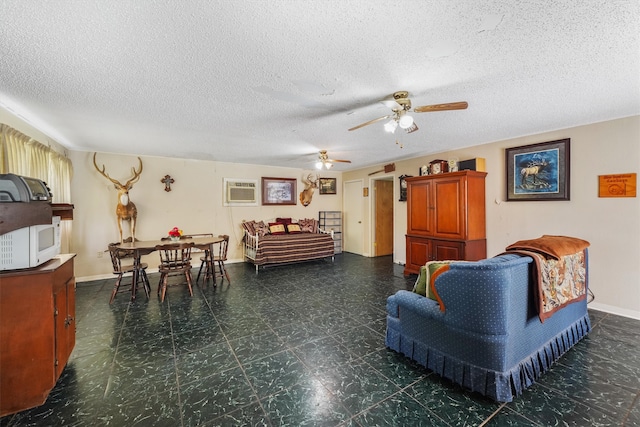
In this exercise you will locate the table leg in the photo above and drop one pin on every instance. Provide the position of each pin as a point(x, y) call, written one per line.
point(145, 282)
point(210, 265)
point(136, 274)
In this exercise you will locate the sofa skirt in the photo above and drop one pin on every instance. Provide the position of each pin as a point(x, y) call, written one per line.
point(500, 386)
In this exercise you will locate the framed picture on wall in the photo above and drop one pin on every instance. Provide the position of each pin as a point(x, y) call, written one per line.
point(328, 185)
point(279, 191)
point(538, 171)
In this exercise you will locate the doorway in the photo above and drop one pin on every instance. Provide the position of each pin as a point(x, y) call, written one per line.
point(383, 204)
point(353, 233)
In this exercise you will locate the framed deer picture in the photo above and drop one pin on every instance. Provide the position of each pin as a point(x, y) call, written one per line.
point(538, 171)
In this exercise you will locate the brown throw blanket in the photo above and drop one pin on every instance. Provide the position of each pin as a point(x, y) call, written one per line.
point(551, 246)
point(561, 269)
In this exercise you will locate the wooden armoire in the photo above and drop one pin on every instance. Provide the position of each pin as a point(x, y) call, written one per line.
point(446, 218)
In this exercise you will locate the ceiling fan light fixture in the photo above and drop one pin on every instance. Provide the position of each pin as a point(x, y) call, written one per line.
point(391, 126)
point(391, 104)
point(328, 165)
point(405, 121)
point(319, 165)
point(400, 105)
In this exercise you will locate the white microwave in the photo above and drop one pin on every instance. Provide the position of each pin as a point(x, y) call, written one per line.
point(31, 246)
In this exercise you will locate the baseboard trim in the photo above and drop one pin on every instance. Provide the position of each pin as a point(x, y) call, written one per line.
point(81, 279)
point(615, 310)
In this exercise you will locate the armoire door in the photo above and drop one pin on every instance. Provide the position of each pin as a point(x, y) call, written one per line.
point(420, 208)
point(449, 203)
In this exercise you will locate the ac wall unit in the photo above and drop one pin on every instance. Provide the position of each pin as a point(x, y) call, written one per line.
point(239, 192)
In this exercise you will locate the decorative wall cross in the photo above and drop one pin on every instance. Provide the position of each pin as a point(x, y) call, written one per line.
point(167, 181)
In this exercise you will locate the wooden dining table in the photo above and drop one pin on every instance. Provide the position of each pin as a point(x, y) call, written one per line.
point(145, 247)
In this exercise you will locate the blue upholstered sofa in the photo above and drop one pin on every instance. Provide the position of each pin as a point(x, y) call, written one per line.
point(489, 338)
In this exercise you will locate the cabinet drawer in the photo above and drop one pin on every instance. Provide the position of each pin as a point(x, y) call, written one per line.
point(445, 251)
point(418, 250)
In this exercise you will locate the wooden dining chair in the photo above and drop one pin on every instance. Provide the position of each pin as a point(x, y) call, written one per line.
point(210, 260)
point(195, 249)
point(120, 269)
point(175, 259)
point(206, 262)
point(220, 259)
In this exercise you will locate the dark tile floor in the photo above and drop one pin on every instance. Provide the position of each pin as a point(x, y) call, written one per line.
point(303, 345)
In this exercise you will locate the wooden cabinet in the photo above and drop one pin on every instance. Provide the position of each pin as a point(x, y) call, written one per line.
point(17, 215)
point(37, 331)
point(445, 218)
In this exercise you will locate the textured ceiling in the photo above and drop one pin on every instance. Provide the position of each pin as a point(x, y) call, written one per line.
point(272, 82)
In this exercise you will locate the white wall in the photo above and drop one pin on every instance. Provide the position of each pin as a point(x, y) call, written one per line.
point(611, 225)
point(195, 203)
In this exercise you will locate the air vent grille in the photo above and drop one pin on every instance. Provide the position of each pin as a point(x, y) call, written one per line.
point(240, 192)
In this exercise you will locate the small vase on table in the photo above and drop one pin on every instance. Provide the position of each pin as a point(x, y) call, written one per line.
point(174, 234)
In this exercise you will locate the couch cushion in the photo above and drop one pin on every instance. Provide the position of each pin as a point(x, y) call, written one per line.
point(423, 283)
point(276, 228)
point(308, 225)
point(284, 221)
point(433, 292)
point(261, 229)
point(420, 286)
point(433, 270)
point(249, 226)
point(428, 273)
point(293, 228)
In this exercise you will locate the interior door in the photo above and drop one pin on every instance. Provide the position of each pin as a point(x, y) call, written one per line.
point(353, 233)
point(383, 240)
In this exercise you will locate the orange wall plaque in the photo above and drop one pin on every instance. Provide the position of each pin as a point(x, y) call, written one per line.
point(619, 185)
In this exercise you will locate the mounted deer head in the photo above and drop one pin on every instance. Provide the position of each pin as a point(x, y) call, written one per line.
point(125, 209)
point(309, 187)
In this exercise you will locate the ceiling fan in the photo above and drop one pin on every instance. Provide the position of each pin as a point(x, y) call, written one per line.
point(324, 160)
point(400, 105)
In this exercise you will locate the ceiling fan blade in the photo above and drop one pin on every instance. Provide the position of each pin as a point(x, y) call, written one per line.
point(370, 122)
point(442, 107)
point(338, 161)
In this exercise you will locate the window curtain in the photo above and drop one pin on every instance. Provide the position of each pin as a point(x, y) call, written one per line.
point(23, 155)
